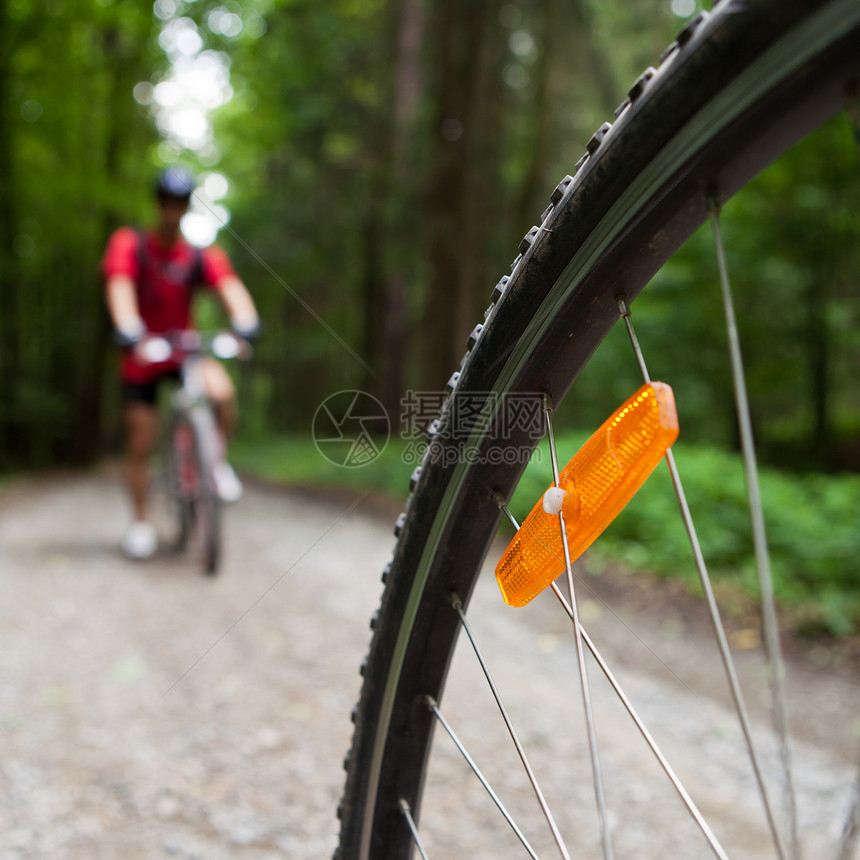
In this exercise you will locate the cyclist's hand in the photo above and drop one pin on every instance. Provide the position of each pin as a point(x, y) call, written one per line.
point(129, 334)
point(249, 331)
point(153, 349)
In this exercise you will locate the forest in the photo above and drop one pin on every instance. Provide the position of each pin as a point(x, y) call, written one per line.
point(378, 161)
point(371, 166)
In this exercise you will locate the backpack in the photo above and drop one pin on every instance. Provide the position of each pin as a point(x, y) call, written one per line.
point(196, 273)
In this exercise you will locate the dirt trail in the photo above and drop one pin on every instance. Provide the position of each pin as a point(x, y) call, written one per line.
point(146, 711)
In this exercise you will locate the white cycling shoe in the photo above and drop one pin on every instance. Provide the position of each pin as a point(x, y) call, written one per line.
point(227, 483)
point(140, 541)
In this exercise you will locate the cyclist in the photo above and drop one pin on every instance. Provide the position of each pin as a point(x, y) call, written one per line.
point(150, 277)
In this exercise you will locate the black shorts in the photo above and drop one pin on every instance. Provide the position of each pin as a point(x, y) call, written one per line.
point(146, 392)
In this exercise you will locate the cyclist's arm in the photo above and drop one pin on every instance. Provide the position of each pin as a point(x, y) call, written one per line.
point(123, 307)
point(120, 267)
point(238, 303)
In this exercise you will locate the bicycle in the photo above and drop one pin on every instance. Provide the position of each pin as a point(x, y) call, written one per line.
point(737, 87)
point(194, 447)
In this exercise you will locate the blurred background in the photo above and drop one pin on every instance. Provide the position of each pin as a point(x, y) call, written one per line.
point(374, 163)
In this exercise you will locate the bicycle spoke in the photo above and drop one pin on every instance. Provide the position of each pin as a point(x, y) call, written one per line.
point(851, 830)
point(624, 310)
point(628, 705)
point(852, 107)
point(713, 609)
point(762, 553)
point(458, 606)
point(434, 707)
point(580, 654)
point(407, 814)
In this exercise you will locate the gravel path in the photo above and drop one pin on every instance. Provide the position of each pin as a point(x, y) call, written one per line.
point(146, 711)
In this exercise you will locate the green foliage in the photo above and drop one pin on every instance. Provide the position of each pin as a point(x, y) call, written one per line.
point(72, 146)
point(793, 259)
point(811, 522)
point(296, 148)
point(334, 150)
point(334, 179)
point(295, 460)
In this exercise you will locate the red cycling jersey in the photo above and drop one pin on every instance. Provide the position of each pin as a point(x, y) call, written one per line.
point(164, 279)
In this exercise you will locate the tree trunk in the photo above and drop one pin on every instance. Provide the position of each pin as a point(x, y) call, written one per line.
point(95, 360)
point(386, 228)
point(599, 59)
point(818, 356)
point(462, 178)
point(10, 435)
point(527, 207)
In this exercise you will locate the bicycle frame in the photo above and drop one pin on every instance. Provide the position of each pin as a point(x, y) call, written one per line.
point(194, 446)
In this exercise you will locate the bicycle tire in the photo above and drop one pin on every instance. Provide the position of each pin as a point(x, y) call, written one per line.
point(735, 89)
point(193, 439)
point(179, 478)
point(207, 503)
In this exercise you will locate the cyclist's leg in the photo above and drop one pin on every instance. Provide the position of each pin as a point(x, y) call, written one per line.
point(220, 391)
point(140, 419)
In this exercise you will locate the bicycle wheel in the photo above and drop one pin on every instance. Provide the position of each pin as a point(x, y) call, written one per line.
point(181, 478)
point(193, 442)
point(207, 504)
point(735, 90)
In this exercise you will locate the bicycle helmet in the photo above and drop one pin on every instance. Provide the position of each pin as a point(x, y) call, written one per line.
point(176, 182)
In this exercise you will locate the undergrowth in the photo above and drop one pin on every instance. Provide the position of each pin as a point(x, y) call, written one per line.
point(811, 523)
point(811, 519)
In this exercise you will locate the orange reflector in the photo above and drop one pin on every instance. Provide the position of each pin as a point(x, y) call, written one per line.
point(597, 483)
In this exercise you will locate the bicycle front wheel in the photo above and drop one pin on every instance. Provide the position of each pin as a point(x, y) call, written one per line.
point(737, 88)
point(193, 442)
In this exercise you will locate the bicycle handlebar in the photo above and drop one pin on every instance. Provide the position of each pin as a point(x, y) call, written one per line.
point(178, 345)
